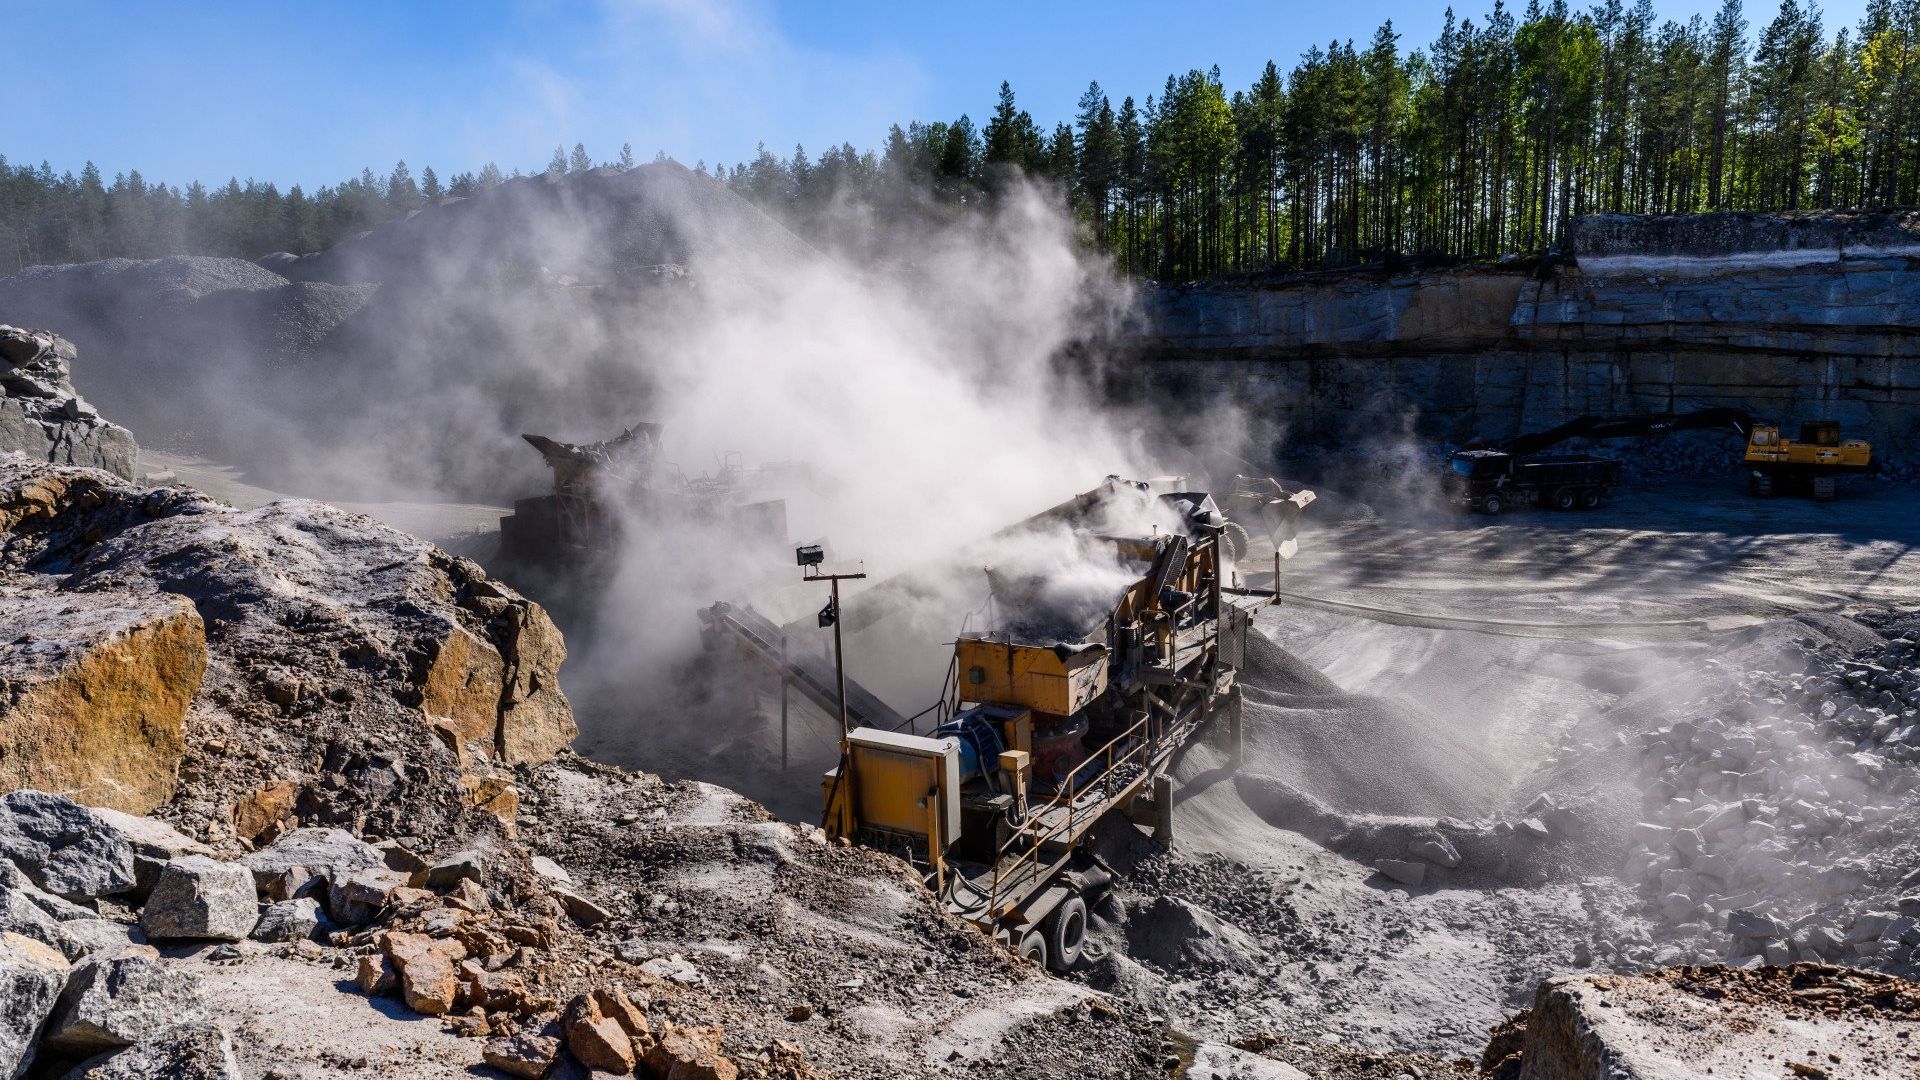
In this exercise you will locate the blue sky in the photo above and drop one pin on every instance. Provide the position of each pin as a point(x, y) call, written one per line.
point(310, 93)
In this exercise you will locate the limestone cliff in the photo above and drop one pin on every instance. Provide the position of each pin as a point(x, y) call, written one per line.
point(1789, 317)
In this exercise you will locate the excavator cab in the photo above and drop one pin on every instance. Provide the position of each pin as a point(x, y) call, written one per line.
point(1820, 433)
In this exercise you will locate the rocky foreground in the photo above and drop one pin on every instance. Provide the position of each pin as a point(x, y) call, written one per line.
point(44, 417)
point(290, 797)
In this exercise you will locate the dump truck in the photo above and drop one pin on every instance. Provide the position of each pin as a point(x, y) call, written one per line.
point(1056, 721)
point(1490, 476)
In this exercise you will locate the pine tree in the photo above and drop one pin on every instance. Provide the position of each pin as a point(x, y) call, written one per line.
point(558, 164)
point(430, 185)
point(626, 156)
point(579, 162)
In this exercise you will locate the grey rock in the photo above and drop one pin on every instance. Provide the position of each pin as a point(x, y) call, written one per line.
point(1404, 871)
point(32, 975)
point(199, 1051)
point(66, 848)
point(289, 920)
point(121, 1000)
point(355, 899)
point(449, 871)
point(1435, 849)
point(42, 416)
point(335, 852)
point(154, 843)
point(198, 898)
point(102, 937)
point(27, 910)
point(1746, 923)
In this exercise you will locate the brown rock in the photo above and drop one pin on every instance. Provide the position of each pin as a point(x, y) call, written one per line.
point(691, 1053)
point(376, 974)
point(527, 1056)
point(494, 991)
point(462, 690)
point(97, 695)
point(614, 1003)
point(597, 1040)
point(427, 982)
point(264, 809)
point(536, 722)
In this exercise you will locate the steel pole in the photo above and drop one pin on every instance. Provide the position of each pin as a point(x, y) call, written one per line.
point(784, 682)
point(839, 665)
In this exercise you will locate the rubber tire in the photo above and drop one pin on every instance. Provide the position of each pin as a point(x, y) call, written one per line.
point(1033, 946)
point(1066, 931)
point(1822, 488)
point(1563, 499)
point(1760, 486)
point(1492, 505)
point(1590, 499)
point(1234, 536)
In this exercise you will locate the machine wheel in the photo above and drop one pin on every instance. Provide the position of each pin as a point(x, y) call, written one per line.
point(1491, 505)
point(1033, 946)
point(1563, 499)
point(1822, 488)
point(1590, 499)
point(1066, 933)
point(1234, 535)
point(1760, 485)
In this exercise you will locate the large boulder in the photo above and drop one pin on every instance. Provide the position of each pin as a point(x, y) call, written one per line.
point(198, 898)
point(31, 978)
point(100, 694)
point(198, 1051)
point(155, 844)
point(118, 1001)
point(44, 417)
point(66, 849)
point(30, 911)
point(334, 852)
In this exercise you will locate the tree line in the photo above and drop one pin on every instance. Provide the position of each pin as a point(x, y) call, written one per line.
point(1483, 144)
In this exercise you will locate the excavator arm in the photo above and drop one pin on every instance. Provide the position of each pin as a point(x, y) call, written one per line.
point(1625, 427)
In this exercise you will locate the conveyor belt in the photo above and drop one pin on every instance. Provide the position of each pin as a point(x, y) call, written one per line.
point(808, 672)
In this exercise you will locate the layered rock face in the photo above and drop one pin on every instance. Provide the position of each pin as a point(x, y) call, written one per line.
point(44, 417)
point(1788, 317)
point(244, 671)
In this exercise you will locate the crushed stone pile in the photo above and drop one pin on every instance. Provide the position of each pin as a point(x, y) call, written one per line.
point(1308, 742)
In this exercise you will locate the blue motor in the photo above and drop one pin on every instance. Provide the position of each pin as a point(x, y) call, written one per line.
point(980, 742)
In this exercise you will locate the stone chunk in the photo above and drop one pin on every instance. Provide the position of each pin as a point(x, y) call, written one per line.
point(1404, 871)
point(375, 975)
point(333, 851)
point(579, 908)
point(289, 920)
point(529, 1057)
point(357, 898)
point(155, 843)
point(597, 1040)
point(691, 1053)
point(198, 898)
point(32, 975)
point(1746, 923)
point(66, 848)
point(427, 982)
point(120, 1000)
point(42, 916)
point(450, 871)
point(200, 1051)
point(1435, 849)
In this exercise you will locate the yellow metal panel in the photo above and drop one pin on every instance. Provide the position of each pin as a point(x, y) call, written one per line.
point(1028, 676)
point(891, 791)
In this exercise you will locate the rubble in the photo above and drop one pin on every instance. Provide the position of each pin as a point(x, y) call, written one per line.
point(188, 1051)
point(66, 848)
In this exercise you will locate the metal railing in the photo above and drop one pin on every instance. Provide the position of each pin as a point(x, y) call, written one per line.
point(1039, 833)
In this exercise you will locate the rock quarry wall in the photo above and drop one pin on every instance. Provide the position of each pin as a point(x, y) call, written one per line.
point(1789, 317)
point(44, 417)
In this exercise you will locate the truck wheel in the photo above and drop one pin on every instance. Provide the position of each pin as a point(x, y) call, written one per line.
point(1066, 931)
point(1563, 498)
point(1033, 946)
point(1491, 505)
point(1590, 499)
point(1234, 536)
point(1760, 485)
point(1822, 488)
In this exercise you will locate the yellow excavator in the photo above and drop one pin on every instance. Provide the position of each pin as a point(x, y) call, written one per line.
point(1815, 460)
